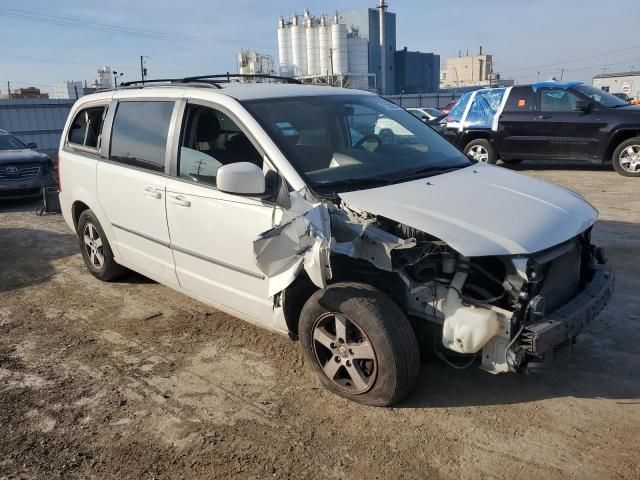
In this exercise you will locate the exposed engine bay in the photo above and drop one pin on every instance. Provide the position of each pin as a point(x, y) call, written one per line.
point(482, 306)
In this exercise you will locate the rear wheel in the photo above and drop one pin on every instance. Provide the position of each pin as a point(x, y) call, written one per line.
point(359, 344)
point(626, 158)
point(96, 250)
point(481, 150)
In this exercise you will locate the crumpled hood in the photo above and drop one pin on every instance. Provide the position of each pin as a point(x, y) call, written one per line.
point(21, 156)
point(482, 210)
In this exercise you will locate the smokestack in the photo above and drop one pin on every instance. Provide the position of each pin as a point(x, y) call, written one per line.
point(382, 7)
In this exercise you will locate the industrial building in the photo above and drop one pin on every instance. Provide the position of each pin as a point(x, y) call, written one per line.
point(623, 82)
point(468, 70)
point(68, 90)
point(417, 72)
point(353, 49)
point(251, 62)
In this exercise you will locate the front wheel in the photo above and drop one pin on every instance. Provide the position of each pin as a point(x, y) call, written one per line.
point(359, 344)
point(626, 158)
point(481, 150)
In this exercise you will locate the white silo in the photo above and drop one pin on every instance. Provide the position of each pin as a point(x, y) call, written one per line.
point(313, 44)
point(298, 47)
point(284, 47)
point(358, 53)
point(324, 37)
point(339, 44)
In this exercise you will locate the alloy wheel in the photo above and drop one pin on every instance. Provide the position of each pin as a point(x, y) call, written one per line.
point(344, 352)
point(479, 153)
point(630, 159)
point(93, 246)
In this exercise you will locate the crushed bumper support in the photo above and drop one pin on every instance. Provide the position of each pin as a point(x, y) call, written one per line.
point(567, 321)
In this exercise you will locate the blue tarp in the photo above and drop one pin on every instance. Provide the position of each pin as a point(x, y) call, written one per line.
point(456, 113)
point(485, 108)
point(563, 85)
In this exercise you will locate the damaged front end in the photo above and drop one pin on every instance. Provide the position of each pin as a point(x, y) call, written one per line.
point(509, 309)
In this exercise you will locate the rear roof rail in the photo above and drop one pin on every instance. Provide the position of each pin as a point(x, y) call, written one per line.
point(211, 80)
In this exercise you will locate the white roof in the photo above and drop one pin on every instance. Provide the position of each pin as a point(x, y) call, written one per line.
point(239, 91)
point(255, 91)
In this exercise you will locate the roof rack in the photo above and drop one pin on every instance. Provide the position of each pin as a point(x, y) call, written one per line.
point(211, 80)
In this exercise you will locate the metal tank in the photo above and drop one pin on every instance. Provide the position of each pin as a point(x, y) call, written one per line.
point(339, 45)
point(358, 53)
point(284, 47)
point(313, 44)
point(324, 37)
point(298, 47)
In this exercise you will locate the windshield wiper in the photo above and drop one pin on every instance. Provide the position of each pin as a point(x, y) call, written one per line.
point(354, 182)
point(422, 172)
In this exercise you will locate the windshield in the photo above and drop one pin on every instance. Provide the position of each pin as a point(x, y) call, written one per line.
point(345, 142)
point(600, 96)
point(9, 142)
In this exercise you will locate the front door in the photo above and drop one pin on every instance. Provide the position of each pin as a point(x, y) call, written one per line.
point(561, 131)
point(212, 233)
point(132, 185)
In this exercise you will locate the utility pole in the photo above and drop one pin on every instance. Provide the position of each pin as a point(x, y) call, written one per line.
point(9, 90)
point(562, 74)
point(538, 77)
point(143, 69)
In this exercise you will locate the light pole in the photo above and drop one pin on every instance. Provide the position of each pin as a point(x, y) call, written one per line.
point(115, 78)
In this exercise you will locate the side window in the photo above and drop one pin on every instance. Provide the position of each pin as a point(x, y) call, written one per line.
point(86, 127)
point(211, 139)
point(520, 100)
point(557, 100)
point(139, 134)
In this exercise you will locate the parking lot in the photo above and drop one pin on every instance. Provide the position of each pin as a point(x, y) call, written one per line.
point(132, 379)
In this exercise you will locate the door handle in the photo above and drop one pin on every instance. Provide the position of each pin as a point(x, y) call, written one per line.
point(545, 117)
point(153, 193)
point(180, 200)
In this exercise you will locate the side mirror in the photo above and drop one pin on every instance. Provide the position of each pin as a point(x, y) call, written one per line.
point(32, 145)
point(242, 178)
point(582, 106)
point(424, 118)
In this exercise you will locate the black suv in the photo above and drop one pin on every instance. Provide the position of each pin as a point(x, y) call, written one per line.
point(551, 120)
point(23, 171)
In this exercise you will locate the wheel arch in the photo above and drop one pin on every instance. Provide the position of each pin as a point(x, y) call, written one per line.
point(344, 270)
point(76, 210)
point(616, 139)
point(472, 135)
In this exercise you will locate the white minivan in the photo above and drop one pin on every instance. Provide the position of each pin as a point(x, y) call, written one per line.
point(280, 204)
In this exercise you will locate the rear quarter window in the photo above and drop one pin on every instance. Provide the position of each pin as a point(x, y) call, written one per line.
point(86, 128)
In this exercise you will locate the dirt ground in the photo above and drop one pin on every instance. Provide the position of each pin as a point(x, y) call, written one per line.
point(133, 380)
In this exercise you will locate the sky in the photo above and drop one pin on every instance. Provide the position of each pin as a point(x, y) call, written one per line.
point(46, 42)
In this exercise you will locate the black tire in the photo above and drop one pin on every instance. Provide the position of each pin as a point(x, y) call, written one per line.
point(622, 164)
point(514, 161)
point(386, 330)
point(108, 269)
point(486, 151)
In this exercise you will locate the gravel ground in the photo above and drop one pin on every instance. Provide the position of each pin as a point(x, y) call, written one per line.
point(133, 380)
